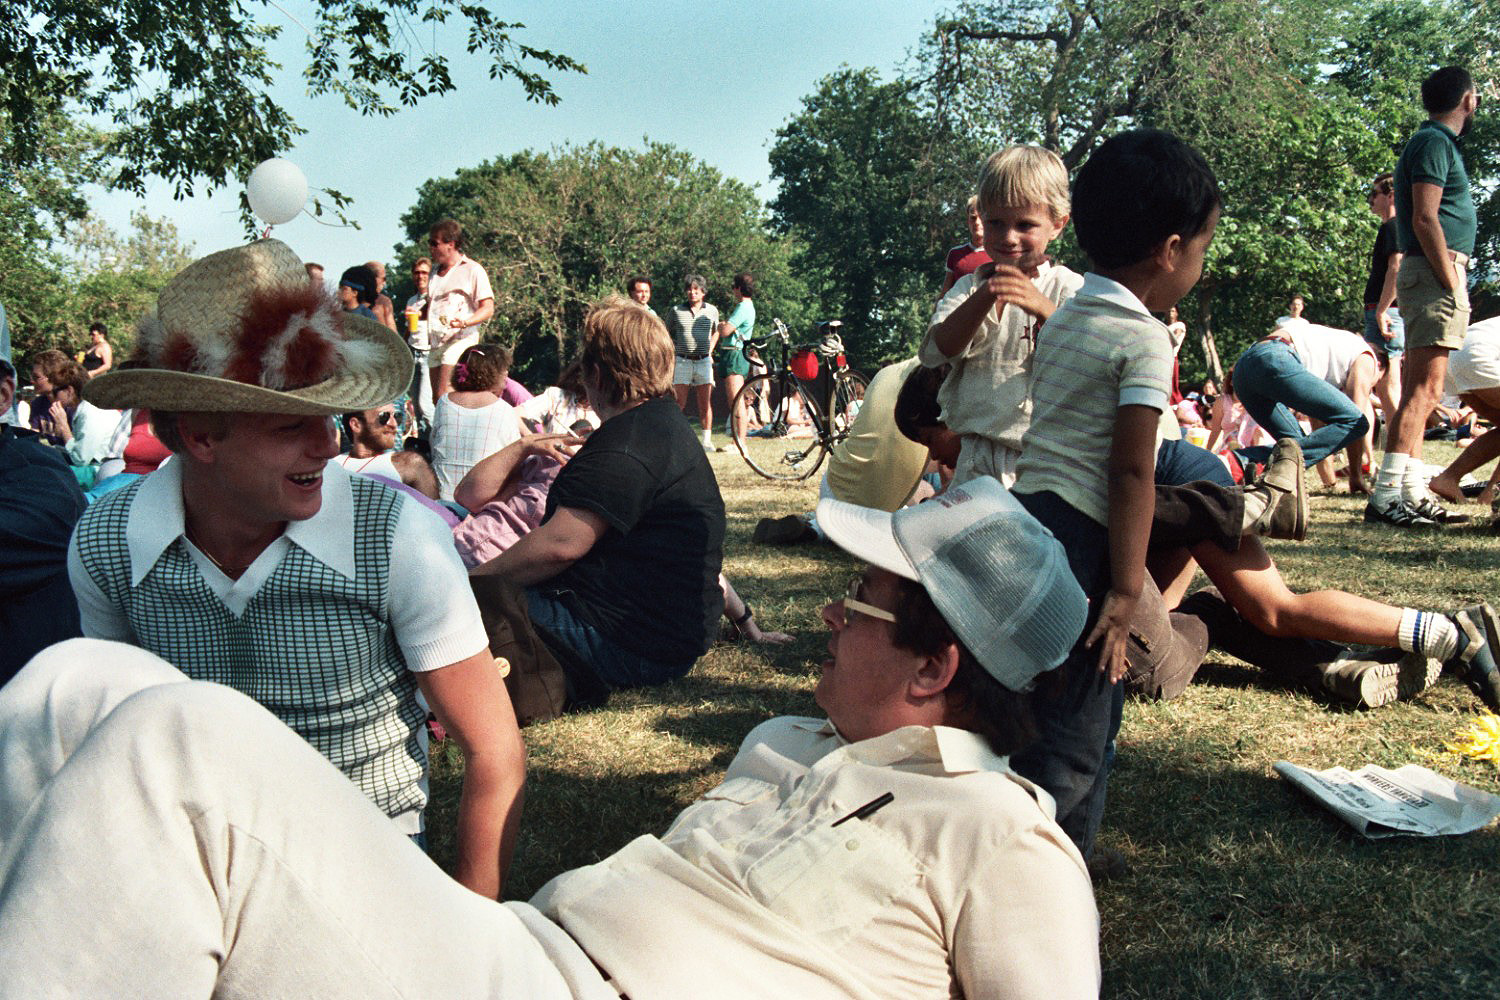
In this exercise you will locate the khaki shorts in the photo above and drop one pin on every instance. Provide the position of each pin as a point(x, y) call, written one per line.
point(448, 353)
point(1435, 317)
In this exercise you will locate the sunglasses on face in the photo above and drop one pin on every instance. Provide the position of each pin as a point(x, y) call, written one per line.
point(853, 605)
point(385, 418)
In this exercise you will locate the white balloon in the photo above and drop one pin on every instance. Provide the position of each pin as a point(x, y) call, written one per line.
point(277, 190)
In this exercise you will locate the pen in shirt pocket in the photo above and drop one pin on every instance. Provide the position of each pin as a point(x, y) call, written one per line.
point(869, 808)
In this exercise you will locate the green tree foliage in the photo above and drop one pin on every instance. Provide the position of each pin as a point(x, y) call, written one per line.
point(52, 296)
point(873, 189)
point(115, 280)
point(185, 87)
point(1296, 105)
point(558, 230)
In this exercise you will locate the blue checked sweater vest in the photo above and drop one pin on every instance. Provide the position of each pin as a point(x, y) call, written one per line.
point(313, 647)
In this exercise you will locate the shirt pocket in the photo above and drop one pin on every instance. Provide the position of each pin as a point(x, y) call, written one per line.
point(832, 881)
point(723, 813)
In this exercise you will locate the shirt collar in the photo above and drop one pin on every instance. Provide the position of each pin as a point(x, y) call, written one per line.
point(1453, 136)
point(1109, 290)
point(327, 536)
point(957, 751)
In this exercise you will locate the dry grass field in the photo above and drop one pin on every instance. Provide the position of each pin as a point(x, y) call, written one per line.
point(1238, 886)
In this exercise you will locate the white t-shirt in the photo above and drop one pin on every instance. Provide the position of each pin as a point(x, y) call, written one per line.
point(1477, 364)
point(1326, 351)
point(555, 411)
point(456, 294)
point(383, 464)
point(418, 341)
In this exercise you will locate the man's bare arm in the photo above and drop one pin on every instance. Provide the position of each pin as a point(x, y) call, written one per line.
point(470, 700)
point(416, 473)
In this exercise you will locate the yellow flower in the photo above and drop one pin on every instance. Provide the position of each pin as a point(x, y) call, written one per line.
point(1481, 740)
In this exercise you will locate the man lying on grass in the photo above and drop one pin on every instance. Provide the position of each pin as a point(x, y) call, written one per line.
point(887, 851)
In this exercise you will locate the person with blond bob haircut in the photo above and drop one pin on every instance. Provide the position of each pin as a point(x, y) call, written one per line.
point(628, 350)
point(637, 501)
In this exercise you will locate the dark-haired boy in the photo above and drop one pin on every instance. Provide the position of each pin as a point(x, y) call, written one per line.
point(1101, 377)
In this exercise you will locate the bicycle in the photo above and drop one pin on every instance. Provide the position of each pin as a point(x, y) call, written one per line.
point(797, 429)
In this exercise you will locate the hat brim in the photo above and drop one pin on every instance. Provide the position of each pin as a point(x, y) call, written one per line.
point(866, 534)
point(346, 392)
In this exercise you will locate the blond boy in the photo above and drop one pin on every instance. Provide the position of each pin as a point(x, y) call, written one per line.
point(986, 324)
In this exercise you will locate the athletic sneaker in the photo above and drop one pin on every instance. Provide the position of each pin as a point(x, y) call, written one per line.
point(1379, 677)
point(1434, 511)
point(1397, 514)
point(1478, 636)
point(1364, 682)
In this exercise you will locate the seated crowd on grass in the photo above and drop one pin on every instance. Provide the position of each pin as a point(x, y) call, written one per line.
point(265, 561)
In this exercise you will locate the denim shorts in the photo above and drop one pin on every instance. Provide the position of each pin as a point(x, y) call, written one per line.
point(1392, 348)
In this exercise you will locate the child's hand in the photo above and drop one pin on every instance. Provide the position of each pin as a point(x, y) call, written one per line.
point(1010, 284)
point(1112, 632)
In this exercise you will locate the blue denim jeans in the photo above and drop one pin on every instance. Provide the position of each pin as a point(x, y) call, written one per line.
point(611, 663)
point(1077, 708)
point(1271, 381)
point(1180, 462)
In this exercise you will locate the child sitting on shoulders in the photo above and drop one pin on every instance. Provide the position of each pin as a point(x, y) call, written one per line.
point(1144, 210)
point(986, 324)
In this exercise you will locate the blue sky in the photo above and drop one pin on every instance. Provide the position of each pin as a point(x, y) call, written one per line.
point(715, 79)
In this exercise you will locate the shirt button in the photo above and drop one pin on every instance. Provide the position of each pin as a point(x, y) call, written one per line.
point(852, 845)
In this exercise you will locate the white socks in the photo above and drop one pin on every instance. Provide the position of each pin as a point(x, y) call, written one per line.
point(1427, 632)
point(1413, 483)
point(1390, 479)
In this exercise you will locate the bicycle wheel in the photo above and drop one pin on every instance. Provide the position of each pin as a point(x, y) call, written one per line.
point(789, 443)
point(848, 396)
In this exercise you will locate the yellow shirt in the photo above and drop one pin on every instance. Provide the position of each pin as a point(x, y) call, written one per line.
point(876, 466)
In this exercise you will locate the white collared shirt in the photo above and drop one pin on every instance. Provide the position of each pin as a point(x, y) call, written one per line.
point(961, 884)
point(988, 392)
point(431, 609)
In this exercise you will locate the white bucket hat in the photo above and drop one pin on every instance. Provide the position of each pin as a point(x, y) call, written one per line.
point(997, 575)
point(244, 331)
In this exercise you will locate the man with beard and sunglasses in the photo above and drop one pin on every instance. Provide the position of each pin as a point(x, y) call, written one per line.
point(372, 451)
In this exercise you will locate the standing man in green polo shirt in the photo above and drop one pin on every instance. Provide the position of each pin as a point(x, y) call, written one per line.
point(1435, 224)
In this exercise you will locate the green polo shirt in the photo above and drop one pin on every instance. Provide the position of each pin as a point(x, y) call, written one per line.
point(1431, 156)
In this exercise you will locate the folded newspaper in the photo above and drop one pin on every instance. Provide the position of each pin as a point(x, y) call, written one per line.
point(1410, 800)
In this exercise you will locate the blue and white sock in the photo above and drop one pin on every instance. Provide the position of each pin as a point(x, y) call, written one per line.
point(1427, 632)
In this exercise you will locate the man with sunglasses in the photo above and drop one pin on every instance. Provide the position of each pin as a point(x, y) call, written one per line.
point(372, 451)
point(886, 851)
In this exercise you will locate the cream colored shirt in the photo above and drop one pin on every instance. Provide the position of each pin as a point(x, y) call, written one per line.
point(962, 885)
point(988, 393)
point(876, 465)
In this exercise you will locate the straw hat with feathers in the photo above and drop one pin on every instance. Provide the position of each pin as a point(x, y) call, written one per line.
point(244, 331)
